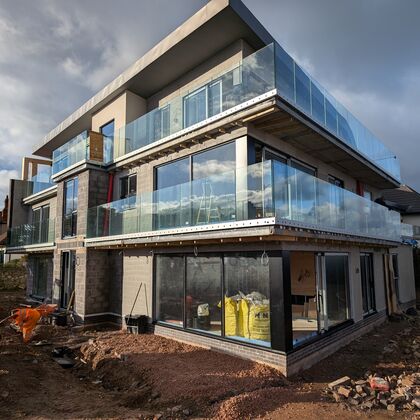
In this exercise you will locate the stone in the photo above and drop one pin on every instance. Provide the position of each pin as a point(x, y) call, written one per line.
point(4, 394)
point(390, 407)
point(379, 384)
point(186, 412)
point(397, 399)
point(353, 401)
point(359, 389)
point(345, 380)
point(157, 416)
point(361, 382)
point(344, 391)
point(337, 397)
point(367, 405)
point(176, 409)
point(416, 402)
point(383, 402)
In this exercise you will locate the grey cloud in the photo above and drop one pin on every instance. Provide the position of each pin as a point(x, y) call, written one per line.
point(56, 54)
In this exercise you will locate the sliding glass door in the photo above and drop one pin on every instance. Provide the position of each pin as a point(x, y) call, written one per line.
point(332, 294)
point(368, 285)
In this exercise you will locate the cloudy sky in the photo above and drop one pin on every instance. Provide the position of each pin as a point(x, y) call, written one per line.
point(55, 54)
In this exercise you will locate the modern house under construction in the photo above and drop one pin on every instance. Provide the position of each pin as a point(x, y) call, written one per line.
point(216, 173)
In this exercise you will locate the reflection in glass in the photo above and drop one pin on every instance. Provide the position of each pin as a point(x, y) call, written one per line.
point(336, 284)
point(203, 294)
point(170, 289)
point(247, 298)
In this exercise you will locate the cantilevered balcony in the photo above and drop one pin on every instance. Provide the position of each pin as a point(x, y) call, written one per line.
point(266, 73)
point(264, 193)
point(29, 235)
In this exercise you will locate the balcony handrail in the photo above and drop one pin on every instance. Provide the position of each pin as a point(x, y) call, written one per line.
point(27, 234)
point(263, 190)
point(268, 69)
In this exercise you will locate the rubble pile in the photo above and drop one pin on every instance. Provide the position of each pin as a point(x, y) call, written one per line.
point(393, 393)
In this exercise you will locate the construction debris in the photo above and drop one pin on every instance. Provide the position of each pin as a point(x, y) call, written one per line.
point(393, 393)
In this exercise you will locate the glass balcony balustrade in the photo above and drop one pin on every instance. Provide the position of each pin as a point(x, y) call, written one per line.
point(407, 230)
point(74, 151)
point(269, 189)
point(258, 74)
point(32, 234)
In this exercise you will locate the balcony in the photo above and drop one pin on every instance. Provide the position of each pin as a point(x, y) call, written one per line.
point(268, 190)
point(264, 74)
point(70, 153)
point(40, 233)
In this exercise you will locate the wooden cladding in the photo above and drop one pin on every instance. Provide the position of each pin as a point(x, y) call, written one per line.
point(96, 146)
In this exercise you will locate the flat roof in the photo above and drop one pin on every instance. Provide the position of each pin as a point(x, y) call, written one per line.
point(212, 28)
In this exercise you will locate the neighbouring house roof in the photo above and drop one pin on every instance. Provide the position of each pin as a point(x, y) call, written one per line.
point(404, 197)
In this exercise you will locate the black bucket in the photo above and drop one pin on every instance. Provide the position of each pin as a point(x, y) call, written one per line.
point(136, 324)
point(59, 319)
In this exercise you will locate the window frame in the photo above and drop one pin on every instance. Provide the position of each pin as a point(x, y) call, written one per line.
point(73, 213)
point(369, 286)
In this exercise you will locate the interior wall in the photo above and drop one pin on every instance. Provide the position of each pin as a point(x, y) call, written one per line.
point(137, 269)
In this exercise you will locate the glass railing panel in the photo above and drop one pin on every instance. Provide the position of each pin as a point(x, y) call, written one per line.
point(34, 186)
point(407, 230)
point(32, 234)
point(302, 198)
point(250, 78)
point(268, 189)
point(299, 88)
point(70, 153)
point(242, 194)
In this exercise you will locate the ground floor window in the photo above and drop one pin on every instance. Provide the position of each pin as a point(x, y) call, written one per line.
point(226, 294)
point(396, 271)
point(320, 298)
point(40, 276)
point(368, 285)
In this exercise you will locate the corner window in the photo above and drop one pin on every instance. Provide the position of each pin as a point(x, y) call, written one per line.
point(70, 207)
point(224, 295)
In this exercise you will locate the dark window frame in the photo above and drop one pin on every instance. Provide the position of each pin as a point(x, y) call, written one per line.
point(369, 287)
point(73, 213)
point(125, 192)
point(281, 339)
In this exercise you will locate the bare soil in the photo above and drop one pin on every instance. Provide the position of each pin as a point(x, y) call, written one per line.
point(123, 376)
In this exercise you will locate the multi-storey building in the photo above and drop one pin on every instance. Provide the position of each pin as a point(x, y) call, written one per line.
point(222, 178)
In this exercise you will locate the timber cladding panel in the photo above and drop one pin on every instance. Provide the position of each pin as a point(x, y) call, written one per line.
point(96, 146)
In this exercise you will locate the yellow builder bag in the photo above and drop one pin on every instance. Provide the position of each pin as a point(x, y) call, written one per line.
point(231, 316)
point(254, 320)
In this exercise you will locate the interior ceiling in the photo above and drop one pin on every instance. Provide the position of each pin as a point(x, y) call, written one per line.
point(299, 134)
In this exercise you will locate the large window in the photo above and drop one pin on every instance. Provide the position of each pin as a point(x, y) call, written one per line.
point(368, 284)
point(203, 103)
point(247, 298)
point(70, 207)
point(208, 198)
point(319, 285)
point(226, 295)
point(336, 285)
point(40, 220)
point(170, 289)
point(40, 276)
point(204, 294)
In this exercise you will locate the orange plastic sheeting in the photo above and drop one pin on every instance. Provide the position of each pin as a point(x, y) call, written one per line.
point(27, 318)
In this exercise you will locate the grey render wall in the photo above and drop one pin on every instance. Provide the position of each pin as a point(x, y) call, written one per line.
point(406, 285)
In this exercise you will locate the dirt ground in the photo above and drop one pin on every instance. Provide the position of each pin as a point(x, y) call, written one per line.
point(123, 376)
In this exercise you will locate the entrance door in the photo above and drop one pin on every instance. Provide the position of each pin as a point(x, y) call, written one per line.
point(332, 290)
point(67, 277)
